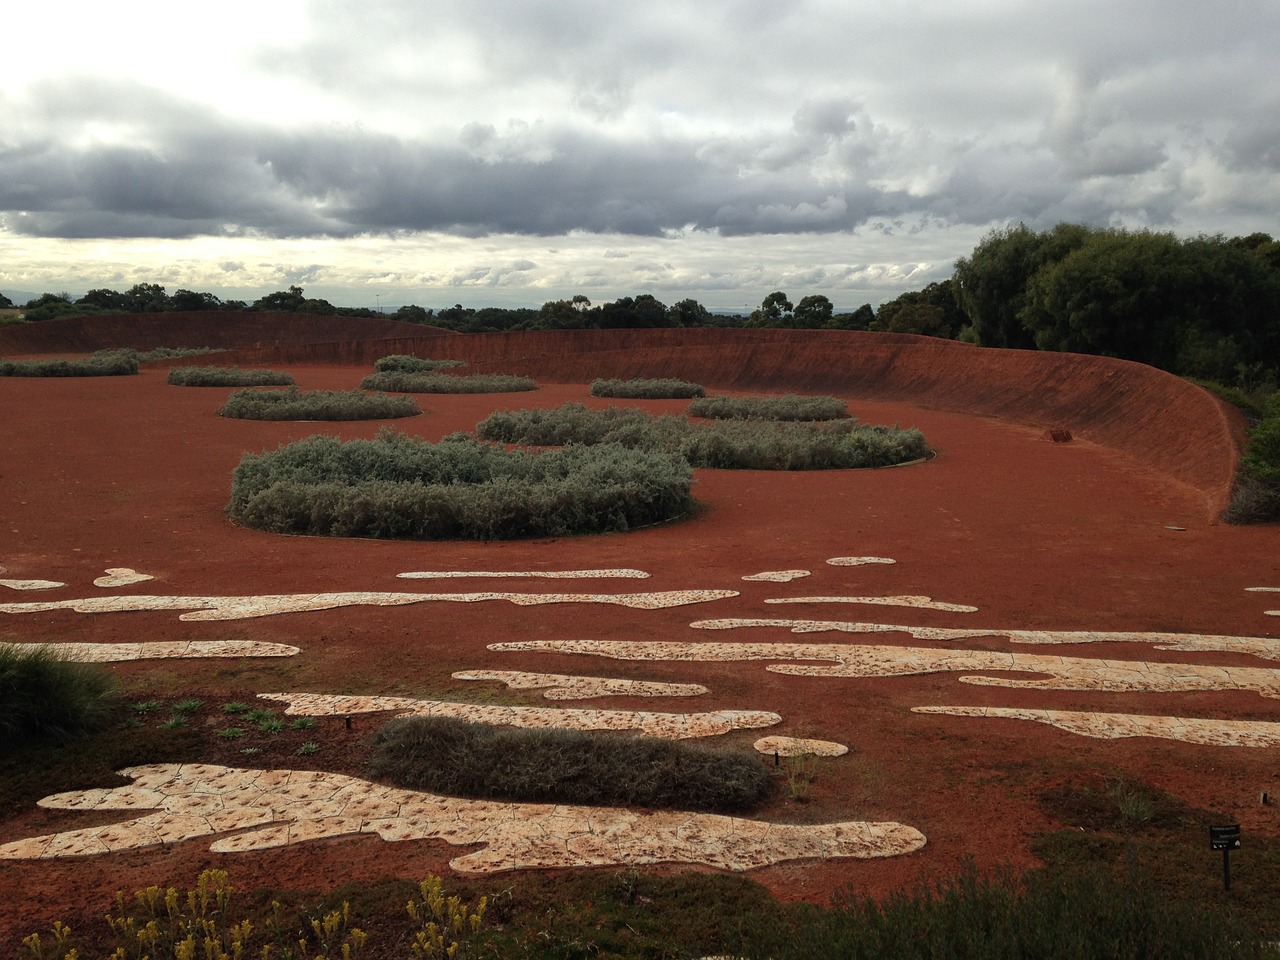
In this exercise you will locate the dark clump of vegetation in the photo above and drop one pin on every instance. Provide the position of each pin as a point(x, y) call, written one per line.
point(294, 404)
point(592, 768)
point(228, 377)
point(741, 445)
point(448, 383)
point(405, 363)
point(44, 695)
point(666, 389)
point(788, 407)
point(398, 487)
point(104, 363)
point(1256, 497)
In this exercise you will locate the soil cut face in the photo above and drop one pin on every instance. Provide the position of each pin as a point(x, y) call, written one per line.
point(130, 473)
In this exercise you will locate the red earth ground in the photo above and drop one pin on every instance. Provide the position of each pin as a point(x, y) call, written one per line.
point(1115, 530)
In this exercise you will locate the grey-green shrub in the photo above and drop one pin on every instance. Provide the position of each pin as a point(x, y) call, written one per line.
point(664, 389)
point(405, 363)
point(42, 694)
point(787, 407)
point(729, 444)
point(228, 377)
point(1256, 497)
point(401, 487)
point(447, 383)
point(594, 768)
point(294, 404)
point(104, 363)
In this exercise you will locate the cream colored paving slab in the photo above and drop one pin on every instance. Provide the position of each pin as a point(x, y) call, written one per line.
point(858, 561)
point(922, 603)
point(243, 608)
point(32, 584)
point(670, 726)
point(121, 577)
point(516, 836)
point(799, 747)
point(1266, 647)
point(1061, 673)
point(778, 576)
point(558, 686)
point(1263, 589)
point(1117, 726)
point(160, 650)
point(619, 574)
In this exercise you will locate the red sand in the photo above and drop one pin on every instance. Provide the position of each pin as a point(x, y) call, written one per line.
point(130, 472)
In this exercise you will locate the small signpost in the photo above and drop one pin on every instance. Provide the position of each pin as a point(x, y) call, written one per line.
point(1225, 838)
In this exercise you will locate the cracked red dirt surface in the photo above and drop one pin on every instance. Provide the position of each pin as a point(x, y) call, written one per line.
point(110, 472)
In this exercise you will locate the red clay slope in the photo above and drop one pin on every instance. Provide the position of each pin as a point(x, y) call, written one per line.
point(1161, 420)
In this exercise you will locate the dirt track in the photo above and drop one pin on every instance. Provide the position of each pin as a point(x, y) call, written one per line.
point(129, 472)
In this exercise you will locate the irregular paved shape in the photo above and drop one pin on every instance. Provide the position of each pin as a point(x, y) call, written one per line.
point(622, 574)
point(778, 576)
point(121, 577)
point(160, 650)
point(1266, 647)
point(1263, 589)
point(800, 747)
point(274, 808)
point(1063, 673)
point(562, 687)
point(244, 608)
point(922, 603)
point(857, 561)
point(669, 726)
point(1117, 726)
point(32, 584)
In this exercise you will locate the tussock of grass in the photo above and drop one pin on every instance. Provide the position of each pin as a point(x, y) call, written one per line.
point(399, 487)
point(228, 377)
point(665, 389)
point(43, 695)
point(788, 407)
point(456, 758)
point(405, 363)
point(104, 363)
point(742, 445)
point(294, 404)
point(447, 383)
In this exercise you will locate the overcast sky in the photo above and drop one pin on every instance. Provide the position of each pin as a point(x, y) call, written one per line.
point(515, 151)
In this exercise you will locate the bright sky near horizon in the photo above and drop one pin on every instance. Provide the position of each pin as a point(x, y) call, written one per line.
point(510, 152)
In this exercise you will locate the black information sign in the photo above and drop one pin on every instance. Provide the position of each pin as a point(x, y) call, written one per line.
point(1225, 838)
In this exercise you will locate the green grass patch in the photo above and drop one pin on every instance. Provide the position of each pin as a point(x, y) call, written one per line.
point(400, 487)
point(456, 758)
point(228, 377)
point(1256, 496)
point(447, 383)
point(662, 389)
point(294, 404)
point(405, 363)
point(787, 407)
point(44, 695)
point(728, 444)
point(104, 363)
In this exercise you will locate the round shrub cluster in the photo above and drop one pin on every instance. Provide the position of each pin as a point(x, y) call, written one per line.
point(227, 377)
point(104, 363)
point(294, 404)
point(404, 488)
point(406, 363)
point(667, 389)
point(788, 407)
point(447, 383)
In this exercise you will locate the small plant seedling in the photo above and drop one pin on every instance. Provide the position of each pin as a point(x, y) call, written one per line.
point(303, 723)
point(143, 707)
point(258, 715)
point(271, 725)
point(309, 747)
point(251, 751)
point(188, 706)
point(231, 733)
point(235, 707)
point(174, 722)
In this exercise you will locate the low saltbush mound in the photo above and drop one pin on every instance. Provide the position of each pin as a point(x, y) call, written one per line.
point(228, 377)
point(1256, 497)
point(646, 389)
point(788, 407)
point(404, 488)
point(42, 695)
point(294, 404)
point(447, 383)
point(452, 757)
point(104, 363)
point(405, 363)
point(741, 445)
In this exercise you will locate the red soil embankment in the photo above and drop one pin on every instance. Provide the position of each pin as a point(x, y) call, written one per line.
point(1160, 420)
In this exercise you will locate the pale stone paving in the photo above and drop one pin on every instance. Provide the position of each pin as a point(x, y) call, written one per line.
point(800, 747)
point(1116, 726)
point(243, 608)
point(921, 603)
point(620, 574)
point(778, 576)
point(669, 726)
point(858, 561)
point(121, 577)
point(273, 808)
point(32, 584)
point(160, 650)
point(557, 686)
